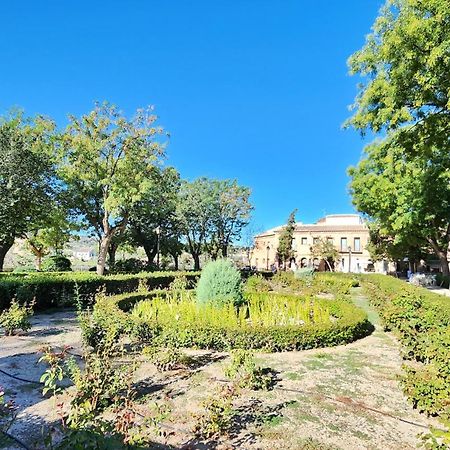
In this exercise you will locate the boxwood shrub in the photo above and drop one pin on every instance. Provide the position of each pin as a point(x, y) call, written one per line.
point(421, 320)
point(348, 324)
point(62, 288)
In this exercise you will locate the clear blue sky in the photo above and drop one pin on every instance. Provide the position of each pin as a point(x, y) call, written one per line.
point(250, 89)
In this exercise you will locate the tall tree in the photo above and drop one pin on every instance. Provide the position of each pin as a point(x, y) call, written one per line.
point(27, 180)
point(285, 251)
point(106, 161)
point(194, 212)
point(156, 208)
point(407, 196)
point(231, 210)
point(405, 65)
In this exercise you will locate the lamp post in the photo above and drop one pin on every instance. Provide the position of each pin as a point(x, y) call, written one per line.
point(349, 258)
point(157, 230)
point(267, 258)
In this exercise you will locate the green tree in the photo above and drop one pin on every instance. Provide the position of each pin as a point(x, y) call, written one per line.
point(27, 181)
point(51, 238)
point(285, 251)
point(107, 161)
point(407, 196)
point(405, 65)
point(156, 208)
point(324, 249)
point(231, 210)
point(194, 212)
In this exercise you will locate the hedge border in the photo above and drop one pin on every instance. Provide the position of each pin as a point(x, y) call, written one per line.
point(353, 325)
point(65, 288)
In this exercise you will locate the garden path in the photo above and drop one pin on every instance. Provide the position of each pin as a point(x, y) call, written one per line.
point(346, 397)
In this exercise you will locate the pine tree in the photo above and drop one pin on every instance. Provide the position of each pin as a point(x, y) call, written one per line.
point(285, 251)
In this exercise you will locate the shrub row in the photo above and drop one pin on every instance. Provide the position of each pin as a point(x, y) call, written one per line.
point(63, 288)
point(348, 324)
point(421, 319)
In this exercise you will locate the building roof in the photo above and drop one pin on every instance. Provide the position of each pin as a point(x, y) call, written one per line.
point(330, 223)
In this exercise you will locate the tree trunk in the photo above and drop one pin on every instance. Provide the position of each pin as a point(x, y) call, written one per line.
point(442, 255)
point(225, 251)
point(102, 253)
point(196, 258)
point(112, 250)
point(38, 261)
point(4, 249)
point(444, 263)
point(175, 260)
point(150, 251)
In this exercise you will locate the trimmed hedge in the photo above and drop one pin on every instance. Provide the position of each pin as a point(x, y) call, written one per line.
point(421, 320)
point(350, 323)
point(62, 288)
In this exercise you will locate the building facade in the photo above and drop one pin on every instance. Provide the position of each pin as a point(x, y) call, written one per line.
point(347, 232)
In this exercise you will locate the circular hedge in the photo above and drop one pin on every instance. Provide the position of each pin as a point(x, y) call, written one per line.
point(184, 327)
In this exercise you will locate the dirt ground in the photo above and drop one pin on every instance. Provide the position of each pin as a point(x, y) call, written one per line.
point(346, 397)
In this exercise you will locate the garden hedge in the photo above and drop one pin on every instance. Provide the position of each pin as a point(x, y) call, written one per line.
point(350, 324)
point(421, 320)
point(63, 288)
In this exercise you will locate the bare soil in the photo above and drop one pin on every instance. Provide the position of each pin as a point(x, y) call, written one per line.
point(346, 397)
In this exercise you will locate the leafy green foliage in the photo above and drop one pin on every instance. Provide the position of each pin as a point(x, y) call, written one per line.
point(325, 250)
point(57, 263)
point(216, 420)
point(284, 250)
point(244, 372)
point(421, 319)
point(220, 283)
point(407, 197)
point(27, 182)
point(107, 162)
point(54, 289)
point(405, 64)
point(273, 322)
point(16, 317)
point(257, 283)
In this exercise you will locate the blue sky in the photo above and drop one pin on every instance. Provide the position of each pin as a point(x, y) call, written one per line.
point(250, 89)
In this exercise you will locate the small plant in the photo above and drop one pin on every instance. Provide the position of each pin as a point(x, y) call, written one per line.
point(7, 411)
point(56, 371)
point(220, 284)
point(244, 372)
point(16, 317)
point(257, 283)
point(166, 359)
point(217, 418)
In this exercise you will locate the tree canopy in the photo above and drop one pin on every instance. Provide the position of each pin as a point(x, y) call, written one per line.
point(106, 161)
point(407, 197)
point(405, 65)
point(27, 184)
point(285, 251)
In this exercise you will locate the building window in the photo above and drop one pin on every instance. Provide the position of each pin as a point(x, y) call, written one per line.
point(330, 240)
point(344, 244)
point(293, 243)
point(357, 244)
point(304, 241)
point(315, 240)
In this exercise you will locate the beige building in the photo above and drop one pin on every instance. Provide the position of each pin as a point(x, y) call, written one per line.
point(347, 232)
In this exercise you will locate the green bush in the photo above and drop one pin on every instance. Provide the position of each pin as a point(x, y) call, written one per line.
point(56, 263)
point(16, 317)
point(421, 319)
point(256, 283)
point(220, 283)
point(132, 265)
point(62, 288)
point(272, 322)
